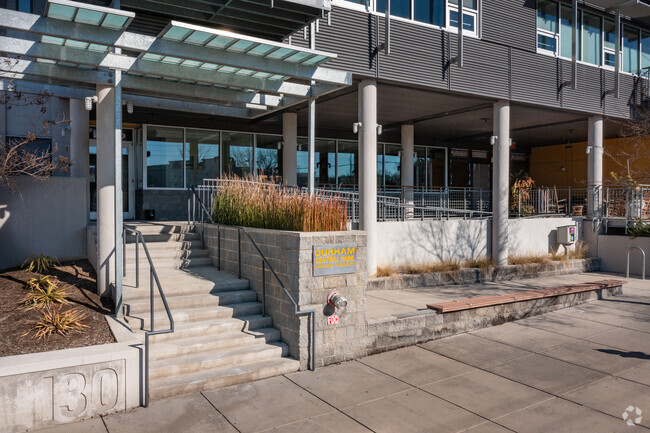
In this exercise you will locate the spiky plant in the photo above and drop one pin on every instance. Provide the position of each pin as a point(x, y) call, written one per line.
point(40, 263)
point(40, 283)
point(45, 297)
point(55, 321)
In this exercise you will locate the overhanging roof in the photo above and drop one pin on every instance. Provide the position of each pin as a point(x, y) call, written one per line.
point(635, 9)
point(271, 19)
point(185, 63)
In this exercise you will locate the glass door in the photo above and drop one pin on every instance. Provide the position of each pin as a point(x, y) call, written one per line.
point(128, 177)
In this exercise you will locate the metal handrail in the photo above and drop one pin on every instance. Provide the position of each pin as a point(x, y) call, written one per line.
point(265, 263)
point(629, 250)
point(153, 276)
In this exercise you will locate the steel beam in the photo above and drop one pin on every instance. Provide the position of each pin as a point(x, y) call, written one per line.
point(17, 68)
point(185, 106)
point(37, 24)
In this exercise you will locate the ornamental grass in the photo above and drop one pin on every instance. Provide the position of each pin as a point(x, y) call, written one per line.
point(244, 202)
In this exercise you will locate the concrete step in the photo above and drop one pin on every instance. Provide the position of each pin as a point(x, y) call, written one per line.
point(166, 254)
point(221, 377)
point(161, 227)
point(183, 287)
point(189, 301)
point(205, 343)
point(141, 321)
point(206, 361)
point(216, 327)
point(164, 237)
point(164, 246)
point(164, 264)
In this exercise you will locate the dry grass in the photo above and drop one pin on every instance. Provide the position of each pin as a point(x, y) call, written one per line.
point(243, 202)
point(529, 259)
point(481, 263)
point(58, 322)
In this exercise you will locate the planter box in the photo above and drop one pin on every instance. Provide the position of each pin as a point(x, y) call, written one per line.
point(62, 386)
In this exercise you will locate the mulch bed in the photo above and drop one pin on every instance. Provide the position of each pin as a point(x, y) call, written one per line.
point(79, 279)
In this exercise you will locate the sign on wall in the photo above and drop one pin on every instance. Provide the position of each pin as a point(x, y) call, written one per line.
point(334, 259)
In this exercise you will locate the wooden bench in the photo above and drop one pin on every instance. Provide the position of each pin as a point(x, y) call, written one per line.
point(507, 298)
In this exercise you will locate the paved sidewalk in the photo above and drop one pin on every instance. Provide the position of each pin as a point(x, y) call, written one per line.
point(574, 370)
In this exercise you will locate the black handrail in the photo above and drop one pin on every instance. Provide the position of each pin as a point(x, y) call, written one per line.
point(265, 263)
point(153, 276)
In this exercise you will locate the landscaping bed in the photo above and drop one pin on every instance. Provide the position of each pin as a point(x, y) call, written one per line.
point(79, 280)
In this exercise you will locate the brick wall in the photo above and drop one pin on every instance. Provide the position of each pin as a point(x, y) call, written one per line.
point(290, 255)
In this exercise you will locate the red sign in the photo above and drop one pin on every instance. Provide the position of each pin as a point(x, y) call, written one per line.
point(333, 320)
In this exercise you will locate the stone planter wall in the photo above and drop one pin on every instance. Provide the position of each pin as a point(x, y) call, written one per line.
point(290, 255)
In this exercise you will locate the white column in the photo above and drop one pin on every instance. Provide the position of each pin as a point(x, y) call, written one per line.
point(368, 169)
point(595, 166)
point(311, 146)
point(500, 183)
point(79, 130)
point(105, 190)
point(406, 168)
point(290, 149)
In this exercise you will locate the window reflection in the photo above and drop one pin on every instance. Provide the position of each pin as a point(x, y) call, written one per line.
point(164, 157)
point(237, 153)
point(201, 155)
point(348, 163)
point(268, 158)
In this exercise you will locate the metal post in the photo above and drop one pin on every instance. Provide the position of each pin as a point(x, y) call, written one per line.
point(574, 46)
point(627, 273)
point(569, 204)
point(137, 260)
point(239, 251)
point(617, 55)
point(219, 248)
point(118, 191)
point(263, 288)
point(124, 252)
point(519, 202)
point(146, 370)
point(151, 307)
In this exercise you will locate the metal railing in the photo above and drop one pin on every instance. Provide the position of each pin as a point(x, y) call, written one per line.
point(550, 201)
point(153, 277)
point(629, 250)
point(629, 204)
point(198, 203)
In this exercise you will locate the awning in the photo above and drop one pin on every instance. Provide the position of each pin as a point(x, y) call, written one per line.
point(249, 76)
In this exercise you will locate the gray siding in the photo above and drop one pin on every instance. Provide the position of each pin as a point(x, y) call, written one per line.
point(510, 22)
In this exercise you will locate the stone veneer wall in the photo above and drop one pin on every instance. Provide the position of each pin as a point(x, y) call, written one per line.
point(290, 255)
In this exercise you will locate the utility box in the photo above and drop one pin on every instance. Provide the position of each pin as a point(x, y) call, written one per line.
point(566, 235)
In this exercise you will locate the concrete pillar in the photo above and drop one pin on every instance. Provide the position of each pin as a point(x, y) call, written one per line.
point(595, 166)
point(105, 190)
point(290, 149)
point(79, 129)
point(500, 183)
point(311, 146)
point(406, 168)
point(368, 169)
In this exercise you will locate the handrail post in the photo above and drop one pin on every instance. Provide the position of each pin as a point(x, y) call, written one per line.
point(569, 203)
point(239, 251)
point(263, 288)
point(137, 261)
point(146, 369)
point(124, 252)
point(219, 248)
point(151, 303)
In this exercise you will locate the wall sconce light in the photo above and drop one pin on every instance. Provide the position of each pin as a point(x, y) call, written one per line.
point(493, 140)
point(356, 126)
point(588, 150)
point(89, 102)
point(280, 144)
point(379, 129)
point(129, 107)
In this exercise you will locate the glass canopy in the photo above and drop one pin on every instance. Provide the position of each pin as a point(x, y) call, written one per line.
point(83, 13)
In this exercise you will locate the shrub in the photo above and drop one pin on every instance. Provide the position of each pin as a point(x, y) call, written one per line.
point(40, 263)
point(46, 297)
point(41, 283)
point(526, 260)
point(640, 229)
point(243, 202)
point(55, 321)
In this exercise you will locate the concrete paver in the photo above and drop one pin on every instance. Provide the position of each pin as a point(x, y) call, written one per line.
point(264, 404)
point(575, 370)
point(612, 396)
point(413, 411)
point(473, 350)
point(185, 413)
point(417, 366)
point(487, 394)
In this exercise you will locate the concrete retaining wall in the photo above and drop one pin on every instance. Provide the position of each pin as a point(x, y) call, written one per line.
point(469, 276)
point(43, 216)
point(290, 255)
point(404, 242)
point(613, 252)
point(44, 389)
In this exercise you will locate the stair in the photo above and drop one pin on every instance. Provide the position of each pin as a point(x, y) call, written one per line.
point(220, 337)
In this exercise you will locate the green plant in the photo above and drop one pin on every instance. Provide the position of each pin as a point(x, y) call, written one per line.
point(244, 202)
point(40, 263)
point(55, 321)
point(46, 297)
point(640, 229)
point(40, 283)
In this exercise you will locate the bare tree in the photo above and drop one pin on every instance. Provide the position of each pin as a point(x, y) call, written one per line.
point(632, 154)
point(21, 156)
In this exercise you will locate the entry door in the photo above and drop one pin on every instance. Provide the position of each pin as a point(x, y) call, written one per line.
point(128, 180)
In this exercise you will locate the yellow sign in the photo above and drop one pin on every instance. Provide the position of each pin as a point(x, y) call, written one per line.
point(335, 259)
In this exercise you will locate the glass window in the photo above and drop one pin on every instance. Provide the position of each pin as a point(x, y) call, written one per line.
point(24, 6)
point(546, 42)
point(237, 153)
point(358, 2)
point(380, 165)
point(591, 49)
point(436, 167)
point(201, 156)
point(566, 32)
point(420, 163)
point(645, 50)
point(398, 8)
point(467, 4)
point(164, 157)
point(609, 43)
point(348, 163)
point(392, 161)
point(547, 16)
point(268, 158)
point(630, 49)
point(324, 161)
point(430, 11)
